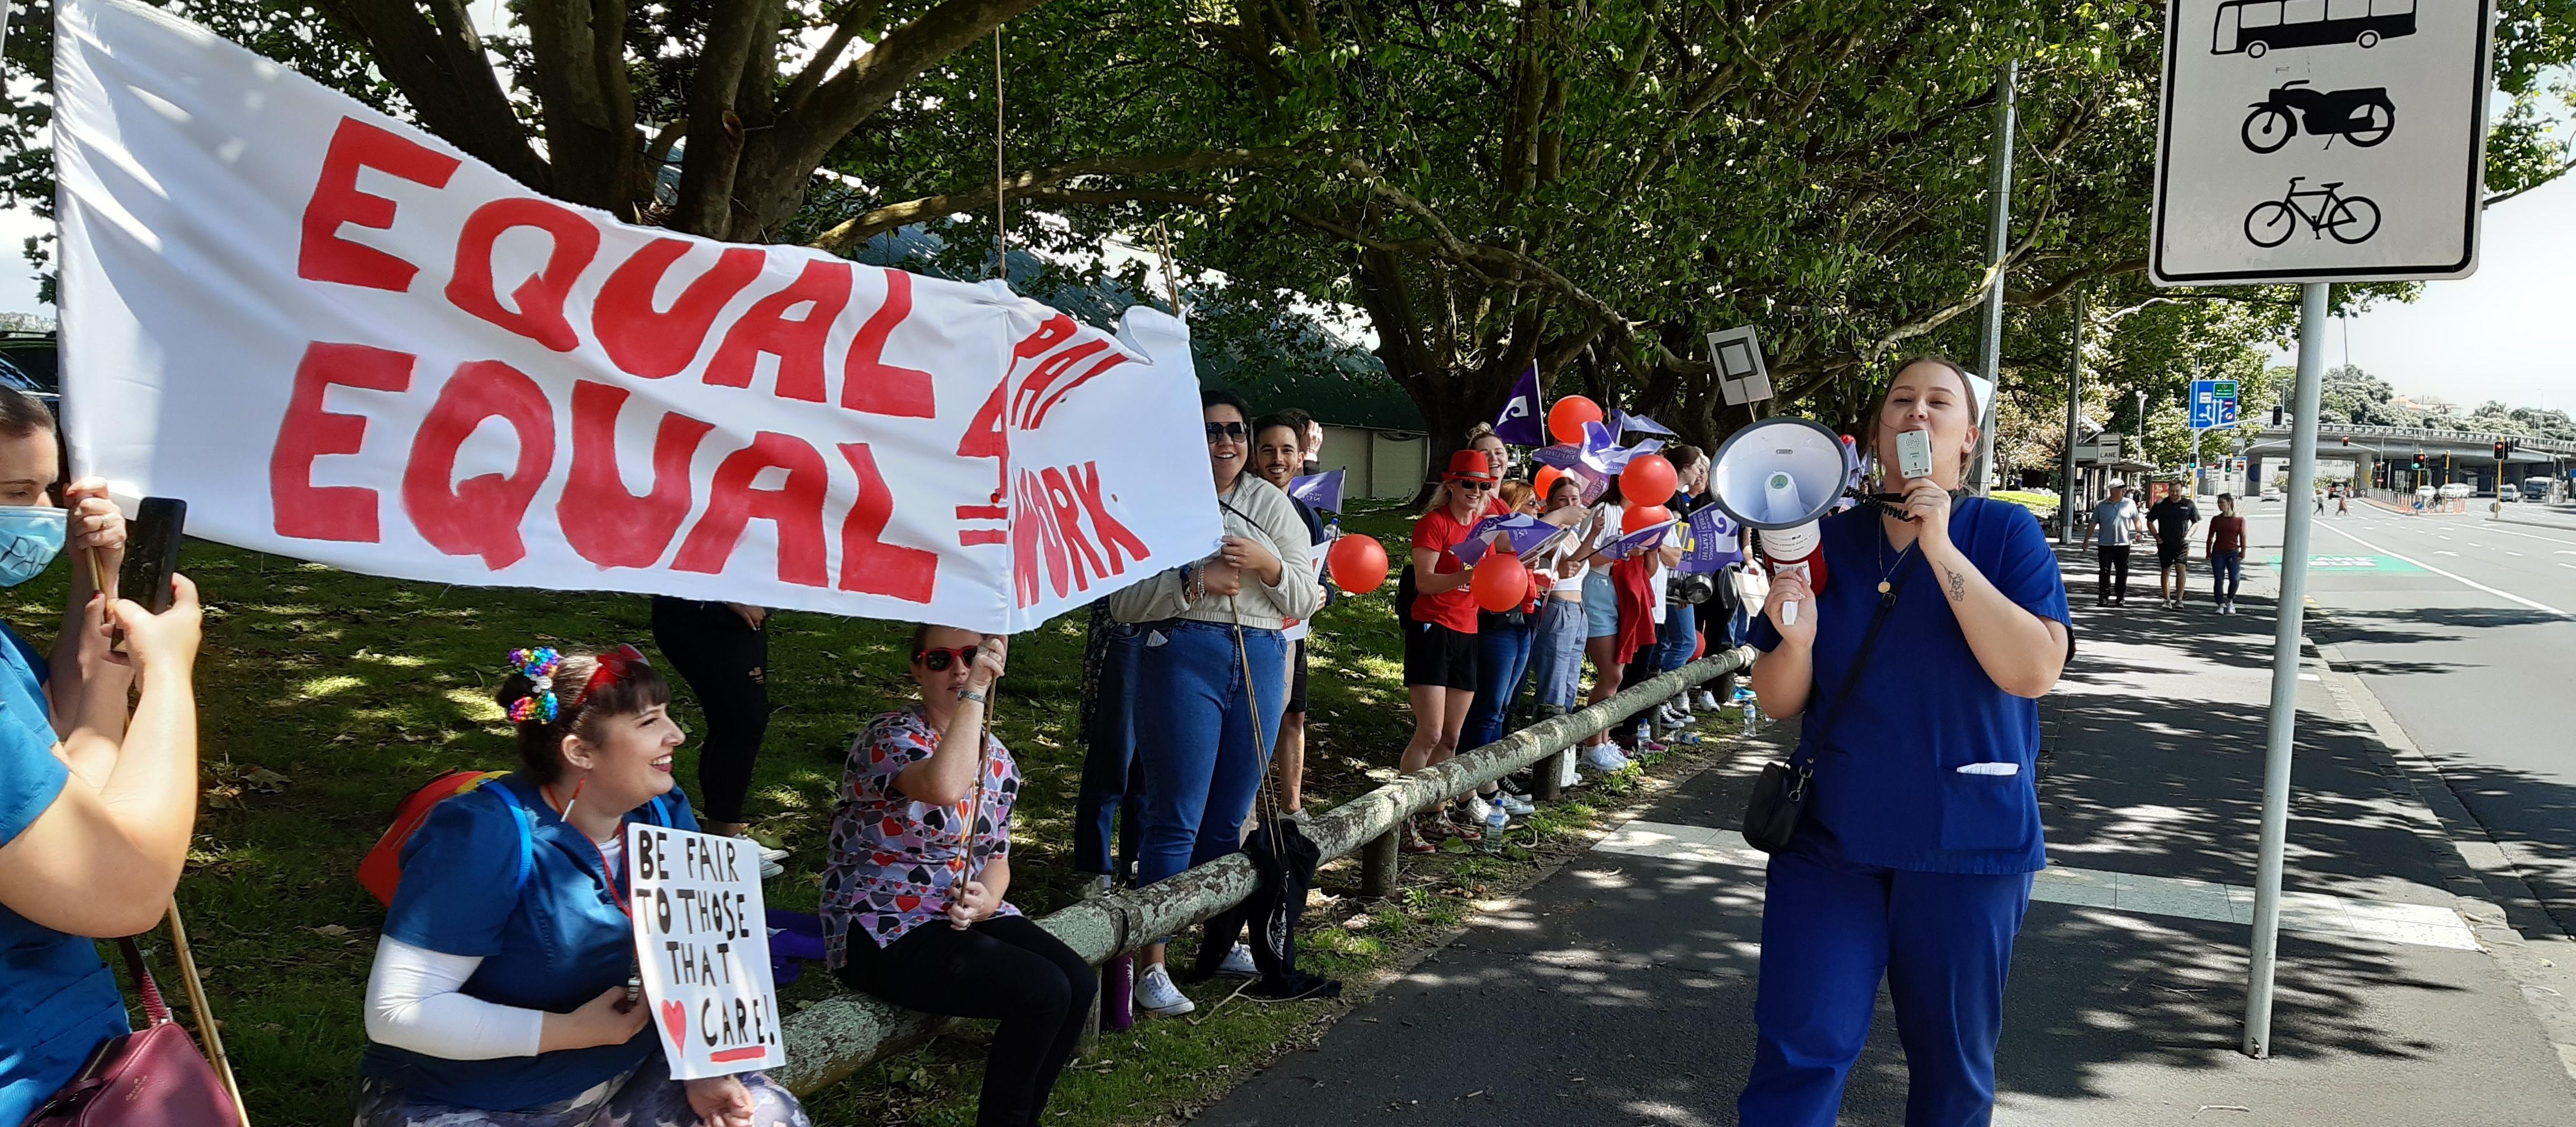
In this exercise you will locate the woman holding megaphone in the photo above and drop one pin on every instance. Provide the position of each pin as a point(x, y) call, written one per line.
point(1918, 667)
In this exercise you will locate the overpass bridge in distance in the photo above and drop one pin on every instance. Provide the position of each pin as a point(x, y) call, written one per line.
point(2471, 454)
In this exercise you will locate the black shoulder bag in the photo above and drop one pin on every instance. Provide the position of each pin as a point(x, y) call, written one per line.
point(1780, 796)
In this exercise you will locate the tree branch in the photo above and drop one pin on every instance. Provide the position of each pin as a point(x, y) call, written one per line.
point(851, 233)
point(442, 71)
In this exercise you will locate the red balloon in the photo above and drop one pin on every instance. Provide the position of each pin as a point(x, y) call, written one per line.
point(1500, 582)
point(1699, 649)
point(1647, 477)
point(1565, 420)
point(1358, 563)
point(1545, 481)
point(1640, 517)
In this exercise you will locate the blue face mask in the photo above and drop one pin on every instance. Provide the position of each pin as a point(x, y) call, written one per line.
point(30, 537)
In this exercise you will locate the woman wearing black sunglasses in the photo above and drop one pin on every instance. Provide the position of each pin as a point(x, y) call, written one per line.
point(914, 907)
point(1199, 758)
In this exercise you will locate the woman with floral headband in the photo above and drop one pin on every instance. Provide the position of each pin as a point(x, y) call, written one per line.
point(914, 907)
point(504, 984)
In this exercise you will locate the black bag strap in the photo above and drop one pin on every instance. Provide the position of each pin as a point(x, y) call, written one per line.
point(1860, 659)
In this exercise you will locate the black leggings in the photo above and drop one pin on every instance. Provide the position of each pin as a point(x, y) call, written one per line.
point(1006, 967)
point(726, 663)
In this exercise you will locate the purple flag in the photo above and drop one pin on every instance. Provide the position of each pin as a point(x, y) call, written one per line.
point(1713, 543)
point(1621, 423)
point(1643, 540)
point(1321, 492)
point(1525, 534)
point(1519, 423)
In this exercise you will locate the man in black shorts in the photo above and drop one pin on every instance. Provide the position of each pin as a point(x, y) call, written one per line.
point(2173, 518)
point(1278, 452)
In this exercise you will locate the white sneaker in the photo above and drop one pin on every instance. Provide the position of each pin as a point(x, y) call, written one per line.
point(770, 870)
point(1156, 995)
point(1238, 963)
point(1604, 758)
point(1516, 806)
point(767, 854)
point(1705, 699)
point(1478, 809)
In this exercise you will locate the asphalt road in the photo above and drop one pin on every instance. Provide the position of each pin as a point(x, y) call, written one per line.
point(2465, 628)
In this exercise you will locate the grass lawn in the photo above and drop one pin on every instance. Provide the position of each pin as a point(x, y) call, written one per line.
point(327, 696)
point(2041, 504)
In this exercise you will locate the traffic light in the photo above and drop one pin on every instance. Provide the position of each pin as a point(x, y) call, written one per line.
point(2347, 440)
point(2419, 461)
point(2276, 416)
point(2499, 450)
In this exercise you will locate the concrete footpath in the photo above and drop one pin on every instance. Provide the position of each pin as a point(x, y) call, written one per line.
point(1620, 990)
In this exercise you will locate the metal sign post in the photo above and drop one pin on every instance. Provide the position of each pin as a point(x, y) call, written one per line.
point(2363, 158)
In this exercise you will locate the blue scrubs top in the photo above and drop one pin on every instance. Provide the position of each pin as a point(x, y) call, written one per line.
point(61, 999)
point(561, 942)
point(1888, 790)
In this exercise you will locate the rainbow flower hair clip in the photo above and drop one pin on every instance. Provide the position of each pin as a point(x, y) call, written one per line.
point(539, 667)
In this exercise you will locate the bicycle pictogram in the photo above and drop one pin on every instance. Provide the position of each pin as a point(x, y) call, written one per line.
point(2350, 219)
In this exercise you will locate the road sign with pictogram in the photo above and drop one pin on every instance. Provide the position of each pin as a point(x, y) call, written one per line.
point(2213, 404)
point(2320, 140)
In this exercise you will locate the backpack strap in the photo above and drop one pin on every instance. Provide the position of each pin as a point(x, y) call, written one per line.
point(527, 833)
point(661, 815)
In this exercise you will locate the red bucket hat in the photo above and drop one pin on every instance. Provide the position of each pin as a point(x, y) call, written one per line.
point(1471, 465)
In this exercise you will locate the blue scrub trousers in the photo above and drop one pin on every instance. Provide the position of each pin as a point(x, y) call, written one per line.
point(1830, 929)
point(1197, 763)
point(1502, 660)
point(1107, 801)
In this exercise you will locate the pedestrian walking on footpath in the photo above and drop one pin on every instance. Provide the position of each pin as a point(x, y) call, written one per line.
point(2343, 501)
point(2173, 518)
point(2226, 550)
point(2116, 524)
point(1922, 663)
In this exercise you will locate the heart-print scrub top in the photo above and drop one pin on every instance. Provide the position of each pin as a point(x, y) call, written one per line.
point(896, 862)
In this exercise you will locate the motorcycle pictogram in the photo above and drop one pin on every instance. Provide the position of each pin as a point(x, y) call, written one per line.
point(2350, 219)
point(2362, 116)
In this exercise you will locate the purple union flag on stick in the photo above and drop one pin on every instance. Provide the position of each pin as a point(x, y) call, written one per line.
point(1519, 422)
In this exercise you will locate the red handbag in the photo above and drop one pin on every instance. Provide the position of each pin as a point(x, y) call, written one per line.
point(152, 1077)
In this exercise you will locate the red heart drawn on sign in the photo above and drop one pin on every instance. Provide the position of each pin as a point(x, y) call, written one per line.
point(675, 1021)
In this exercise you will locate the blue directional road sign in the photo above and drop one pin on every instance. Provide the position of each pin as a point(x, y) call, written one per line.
point(2213, 404)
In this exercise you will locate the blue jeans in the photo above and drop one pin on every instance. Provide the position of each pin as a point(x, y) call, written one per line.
point(2226, 574)
point(1108, 798)
point(1502, 660)
point(1198, 763)
point(1677, 637)
point(1556, 653)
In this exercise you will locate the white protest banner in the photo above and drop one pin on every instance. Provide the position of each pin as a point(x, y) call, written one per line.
point(702, 937)
point(339, 338)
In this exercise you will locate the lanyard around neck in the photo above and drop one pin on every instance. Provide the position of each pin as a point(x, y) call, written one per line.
point(607, 875)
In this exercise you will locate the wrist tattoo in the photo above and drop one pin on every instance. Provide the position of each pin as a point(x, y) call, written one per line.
point(1958, 585)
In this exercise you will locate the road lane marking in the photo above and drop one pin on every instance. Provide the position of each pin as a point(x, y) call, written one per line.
point(2530, 536)
point(2514, 554)
point(2343, 917)
point(2539, 606)
point(2444, 553)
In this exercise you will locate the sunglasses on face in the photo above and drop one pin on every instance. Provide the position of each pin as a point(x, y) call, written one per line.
point(1219, 431)
point(938, 661)
point(1471, 485)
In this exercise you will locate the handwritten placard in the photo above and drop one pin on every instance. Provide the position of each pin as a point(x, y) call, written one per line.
point(702, 937)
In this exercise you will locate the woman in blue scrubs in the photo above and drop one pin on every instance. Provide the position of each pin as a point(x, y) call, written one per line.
point(1921, 833)
point(501, 987)
point(96, 805)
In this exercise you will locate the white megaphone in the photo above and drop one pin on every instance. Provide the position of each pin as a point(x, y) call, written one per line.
point(1779, 477)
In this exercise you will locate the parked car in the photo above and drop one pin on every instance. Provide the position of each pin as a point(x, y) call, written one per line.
point(2271, 494)
point(2455, 490)
point(28, 363)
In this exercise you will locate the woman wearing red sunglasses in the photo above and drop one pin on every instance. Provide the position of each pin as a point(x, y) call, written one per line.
point(913, 896)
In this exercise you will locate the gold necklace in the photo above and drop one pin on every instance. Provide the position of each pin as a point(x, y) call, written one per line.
point(1885, 572)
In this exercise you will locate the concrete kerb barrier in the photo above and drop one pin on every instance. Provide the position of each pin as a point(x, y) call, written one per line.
point(830, 1039)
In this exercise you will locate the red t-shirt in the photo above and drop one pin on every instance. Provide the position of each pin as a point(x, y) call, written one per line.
point(1455, 608)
